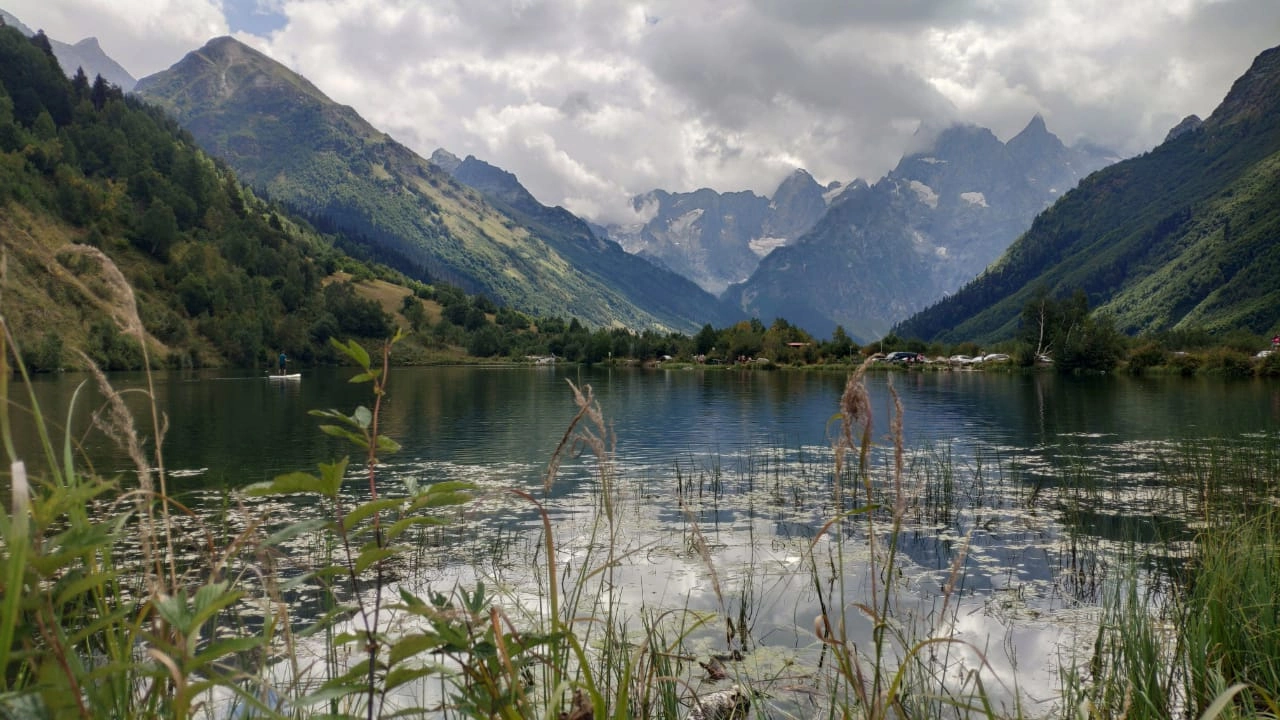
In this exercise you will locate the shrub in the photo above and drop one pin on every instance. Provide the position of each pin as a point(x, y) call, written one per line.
point(1229, 362)
point(1148, 355)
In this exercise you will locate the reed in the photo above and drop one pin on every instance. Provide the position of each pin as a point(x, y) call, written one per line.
point(199, 622)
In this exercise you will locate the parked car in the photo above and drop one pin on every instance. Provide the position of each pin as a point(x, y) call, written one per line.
point(905, 357)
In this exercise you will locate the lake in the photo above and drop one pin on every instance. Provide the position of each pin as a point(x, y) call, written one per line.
point(1026, 496)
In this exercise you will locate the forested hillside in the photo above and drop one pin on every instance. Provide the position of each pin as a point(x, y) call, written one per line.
point(1186, 236)
point(102, 197)
point(284, 136)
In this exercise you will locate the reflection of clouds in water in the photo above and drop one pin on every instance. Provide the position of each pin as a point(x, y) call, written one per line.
point(1038, 543)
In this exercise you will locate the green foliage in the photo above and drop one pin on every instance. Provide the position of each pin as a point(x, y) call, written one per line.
point(1227, 361)
point(1232, 615)
point(1147, 355)
point(1182, 236)
point(46, 355)
point(111, 349)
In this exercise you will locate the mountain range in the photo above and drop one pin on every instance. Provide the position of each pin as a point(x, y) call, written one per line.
point(882, 252)
point(716, 239)
point(1186, 236)
point(283, 136)
point(1180, 237)
point(86, 54)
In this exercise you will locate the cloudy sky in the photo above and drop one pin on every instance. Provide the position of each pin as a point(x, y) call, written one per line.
point(592, 101)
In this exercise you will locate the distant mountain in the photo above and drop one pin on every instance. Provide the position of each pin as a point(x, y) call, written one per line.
point(1185, 236)
point(283, 135)
point(629, 274)
point(882, 252)
point(86, 54)
point(718, 238)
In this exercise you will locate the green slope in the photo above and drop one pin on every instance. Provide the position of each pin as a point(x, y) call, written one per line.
point(1187, 235)
point(281, 134)
point(111, 219)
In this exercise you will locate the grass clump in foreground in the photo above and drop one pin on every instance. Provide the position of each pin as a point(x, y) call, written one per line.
point(1205, 644)
point(89, 628)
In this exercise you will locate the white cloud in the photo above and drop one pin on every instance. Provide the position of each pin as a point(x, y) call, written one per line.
point(590, 103)
point(142, 35)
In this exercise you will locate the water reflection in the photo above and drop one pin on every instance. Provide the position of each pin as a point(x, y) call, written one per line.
point(1025, 492)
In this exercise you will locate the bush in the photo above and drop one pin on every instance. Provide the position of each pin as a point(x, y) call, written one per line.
point(1228, 362)
point(1268, 366)
point(1185, 364)
point(1148, 355)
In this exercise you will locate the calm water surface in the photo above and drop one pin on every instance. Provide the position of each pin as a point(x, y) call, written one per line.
point(995, 463)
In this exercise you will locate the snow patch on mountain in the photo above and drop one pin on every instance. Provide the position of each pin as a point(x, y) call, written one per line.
point(682, 223)
point(974, 198)
point(925, 193)
point(764, 245)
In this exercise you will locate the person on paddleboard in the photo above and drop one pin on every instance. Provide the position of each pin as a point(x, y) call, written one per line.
point(283, 361)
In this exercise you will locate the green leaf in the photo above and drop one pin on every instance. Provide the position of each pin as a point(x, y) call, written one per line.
point(293, 530)
point(333, 475)
point(293, 483)
point(347, 638)
point(210, 599)
point(399, 526)
point(410, 599)
point(329, 692)
point(360, 512)
point(173, 608)
point(386, 444)
point(351, 349)
point(433, 500)
point(229, 646)
point(68, 592)
point(340, 432)
point(451, 486)
point(334, 415)
point(399, 676)
point(411, 645)
point(366, 376)
point(374, 554)
point(363, 417)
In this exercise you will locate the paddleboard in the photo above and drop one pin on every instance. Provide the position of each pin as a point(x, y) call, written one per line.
point(292, 376)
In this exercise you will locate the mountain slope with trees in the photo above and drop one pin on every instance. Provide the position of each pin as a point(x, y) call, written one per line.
point(284, 136)
point(107, 204)
point(85, 55)
point(1186, 236)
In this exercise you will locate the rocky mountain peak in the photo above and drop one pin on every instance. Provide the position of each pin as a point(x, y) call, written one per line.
point(1254, 95)
point(797, 183)
point(445, 160)
point(1035, 135)
point(1190, 123)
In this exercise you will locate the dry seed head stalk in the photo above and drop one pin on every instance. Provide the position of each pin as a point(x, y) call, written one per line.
point(855, 407)
point(116, 422)
point(125, 310)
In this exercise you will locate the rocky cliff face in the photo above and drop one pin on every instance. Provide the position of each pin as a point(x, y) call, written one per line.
point(86, 54)
point(718, 238)
point(883, 252)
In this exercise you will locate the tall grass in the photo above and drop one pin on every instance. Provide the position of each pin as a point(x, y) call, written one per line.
point(89, 628)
